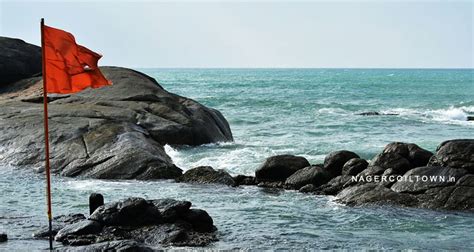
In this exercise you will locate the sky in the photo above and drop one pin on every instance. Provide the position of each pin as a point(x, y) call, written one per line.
point(313, 34)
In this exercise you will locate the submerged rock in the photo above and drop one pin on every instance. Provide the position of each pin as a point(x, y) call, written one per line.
point(207, 175)
point(136, 223)
point(279, 168)
point(244, 180)
point(115, 132)
point(3, 237)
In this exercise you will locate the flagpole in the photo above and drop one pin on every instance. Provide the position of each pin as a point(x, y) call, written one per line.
point(46, 139)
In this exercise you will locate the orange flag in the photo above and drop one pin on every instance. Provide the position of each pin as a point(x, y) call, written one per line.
point(70, 67)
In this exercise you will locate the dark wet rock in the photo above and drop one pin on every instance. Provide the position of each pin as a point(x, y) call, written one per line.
point(457, 153)
point(354, 166)
point(95, 200)
point(422, 178)
point(130, 212)
point(336, 160)
point(59, 222)
point(271, 184)
point(121, 245)
point(335, 185)
point(416, 155)
point(18, 60)
point(143, 224)
point(171, 209)
point(84, 227)
point(470, 118)
point(279, 168)
point(315, 175)
point(391, 160)
point(207, 175)
point(374, 194)
point(3, 237)
point(244, 180)
point(115, 132)
point(308, 188)
point(375, 113)
point(200, 220)
point(370, 113)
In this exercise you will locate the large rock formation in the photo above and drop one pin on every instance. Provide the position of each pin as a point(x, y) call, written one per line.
point(18, 60)
point(115, 132)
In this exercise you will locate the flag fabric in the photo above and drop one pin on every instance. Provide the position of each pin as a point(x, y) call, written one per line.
point(70, 67)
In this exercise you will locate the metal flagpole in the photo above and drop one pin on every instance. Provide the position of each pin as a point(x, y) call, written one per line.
point(46, 141)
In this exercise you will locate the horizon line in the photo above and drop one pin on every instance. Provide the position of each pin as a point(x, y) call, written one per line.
point(335, 68)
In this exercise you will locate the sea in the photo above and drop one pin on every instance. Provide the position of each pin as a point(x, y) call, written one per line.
point(306, 112)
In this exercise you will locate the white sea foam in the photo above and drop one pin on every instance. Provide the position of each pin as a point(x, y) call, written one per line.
point(451, 115)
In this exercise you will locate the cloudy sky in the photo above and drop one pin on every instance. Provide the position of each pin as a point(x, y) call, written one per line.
point(398, 34)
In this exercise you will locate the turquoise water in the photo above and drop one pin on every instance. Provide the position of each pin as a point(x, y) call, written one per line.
point(307, 112)
point(311, 112)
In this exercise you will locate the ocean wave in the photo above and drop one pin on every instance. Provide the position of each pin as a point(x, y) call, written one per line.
point(451, 115)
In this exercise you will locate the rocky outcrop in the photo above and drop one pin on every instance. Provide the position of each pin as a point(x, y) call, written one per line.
point(456, 154)
point(18, 60)
point(402, 174)
point(115, 132)
point(136, 223)
point(206, 175)
point(279, 168)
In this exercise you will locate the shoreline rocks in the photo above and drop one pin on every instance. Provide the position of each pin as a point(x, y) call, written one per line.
point(137, 223)
point(402, 174)
point(114, 132)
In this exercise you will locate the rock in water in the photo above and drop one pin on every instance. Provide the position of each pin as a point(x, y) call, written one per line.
point(137, 224)
point(457, 153)
point(336, 160)
point(207, 175)
point(130, 212)
point(444, 177)
point(314, 175)
point(18, 60)
point(416, 155)
point(279, 168)
point(115, 132)
point(354, 166)
point(3, 237)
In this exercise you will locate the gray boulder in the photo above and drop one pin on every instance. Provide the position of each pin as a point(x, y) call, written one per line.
point(315, 175)
point(354, 166)
point(171, 209)
point(391, 160)
point(207, 175)
point(115, 132)
point(141, 224)
point(279, 168)
point(336, 160)
point(18, 60)
point(422, 178)
point(130, 212)
point(457, 153)
point(416, 155)
point(79, 228)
